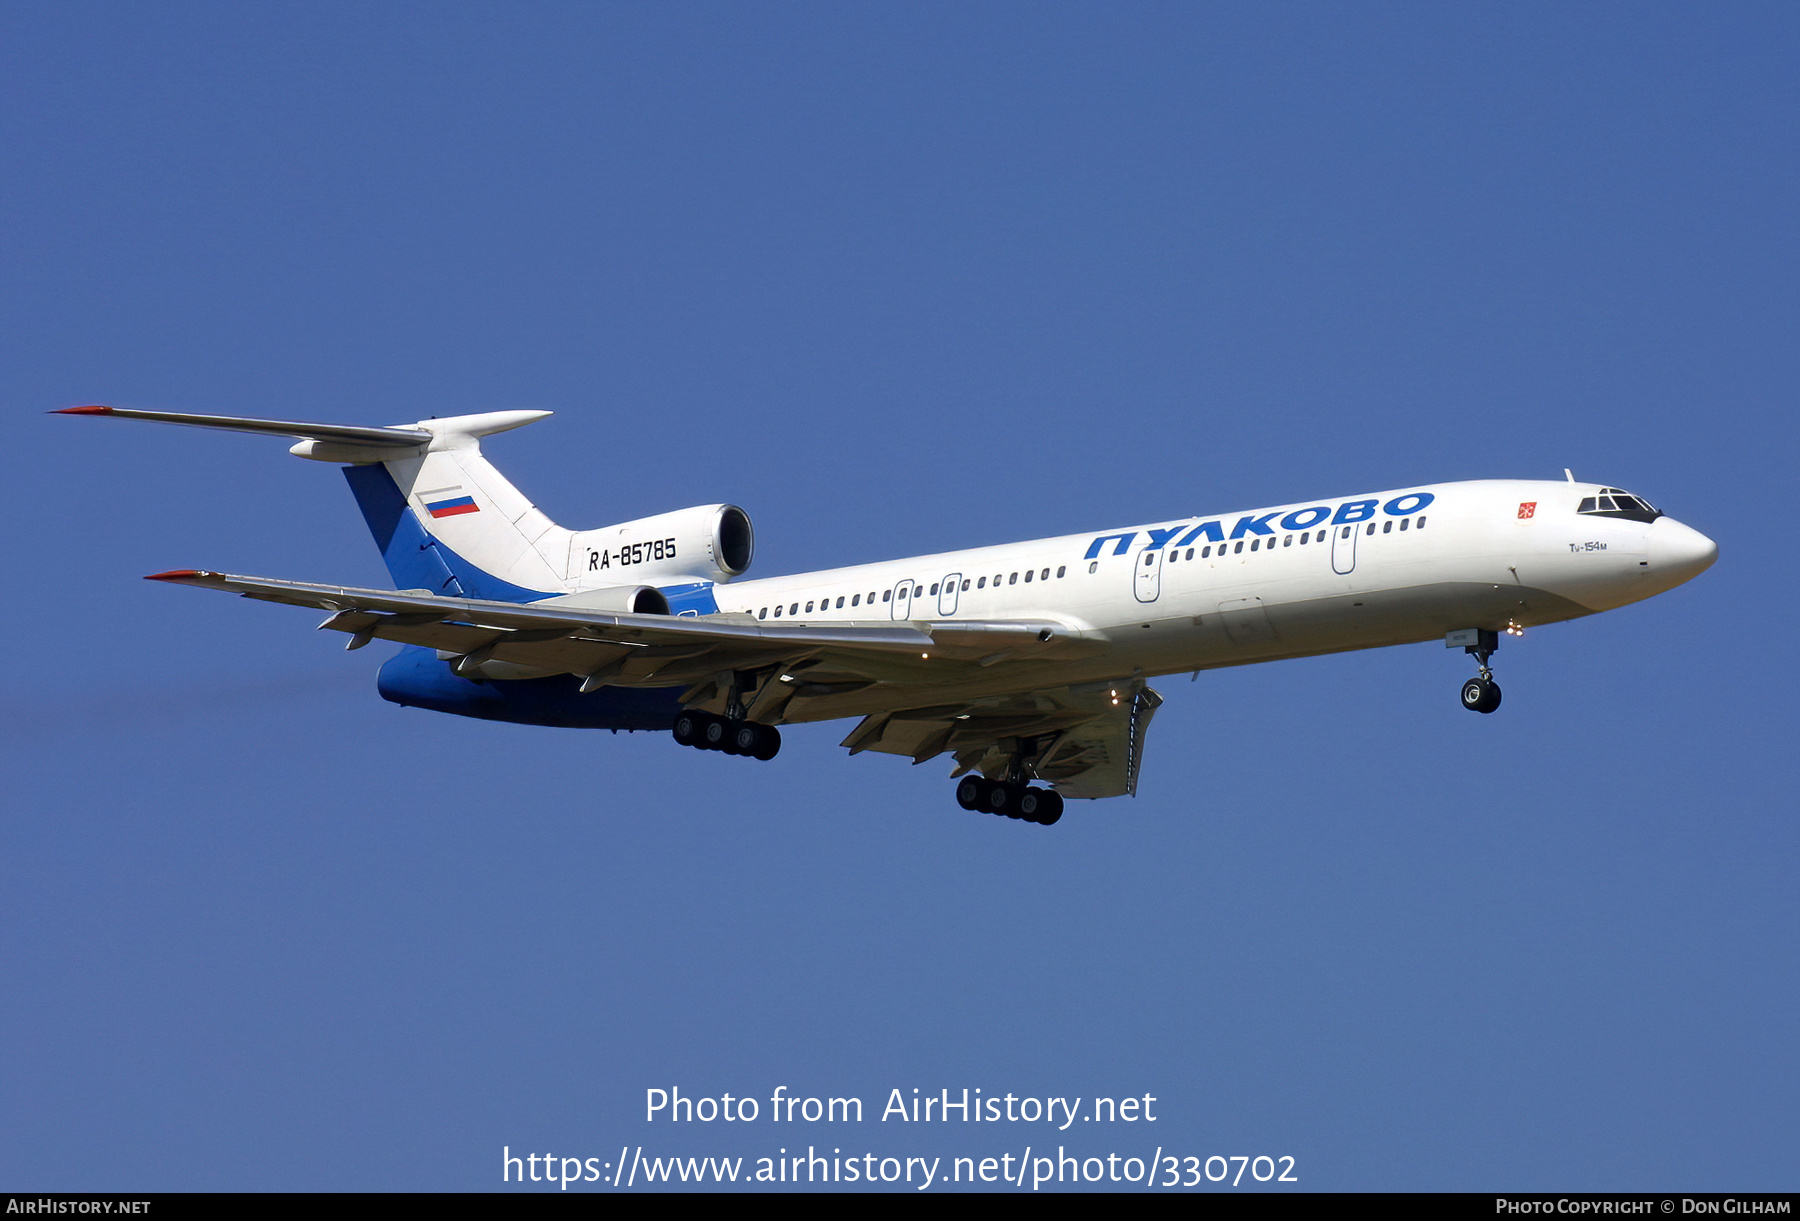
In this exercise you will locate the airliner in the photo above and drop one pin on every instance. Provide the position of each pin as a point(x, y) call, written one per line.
point(1026, 663)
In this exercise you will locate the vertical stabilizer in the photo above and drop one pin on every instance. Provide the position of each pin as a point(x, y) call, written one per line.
point(447, 521)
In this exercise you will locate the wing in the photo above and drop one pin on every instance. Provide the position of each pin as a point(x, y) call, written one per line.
point(789, 671)
point(1086, 740)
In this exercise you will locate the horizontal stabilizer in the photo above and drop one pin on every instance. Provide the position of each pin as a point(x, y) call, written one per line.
point(343, 434)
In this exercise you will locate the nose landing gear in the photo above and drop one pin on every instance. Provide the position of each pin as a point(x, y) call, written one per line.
point(1481, 694)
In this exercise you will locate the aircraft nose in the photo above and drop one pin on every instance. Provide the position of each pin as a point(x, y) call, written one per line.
point(1678, 553)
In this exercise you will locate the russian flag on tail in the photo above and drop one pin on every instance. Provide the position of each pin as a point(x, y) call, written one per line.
point(452, 506)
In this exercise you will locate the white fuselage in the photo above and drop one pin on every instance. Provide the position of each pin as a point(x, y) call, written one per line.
point(1365, 571)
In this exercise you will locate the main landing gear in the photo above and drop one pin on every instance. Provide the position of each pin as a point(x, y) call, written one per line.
point(1012, 799)
point(1480, 694)
point(733, 735)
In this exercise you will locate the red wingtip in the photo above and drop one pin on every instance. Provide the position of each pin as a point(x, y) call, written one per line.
point(175, 574)
point(84, 411)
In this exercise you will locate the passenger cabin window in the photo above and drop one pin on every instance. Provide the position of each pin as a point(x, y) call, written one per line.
point(1013, 580)
point(855, 599)
point(763, 613)
point(1615, 502)
point(840, 604)
point(981, 584)
point(887, 595)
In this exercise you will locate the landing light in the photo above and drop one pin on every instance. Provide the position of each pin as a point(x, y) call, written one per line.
point(1513, 629)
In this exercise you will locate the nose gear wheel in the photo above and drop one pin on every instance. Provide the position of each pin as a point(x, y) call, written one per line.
point(1482, 693)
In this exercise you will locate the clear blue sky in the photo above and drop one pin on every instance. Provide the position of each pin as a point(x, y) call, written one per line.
point(896, 278)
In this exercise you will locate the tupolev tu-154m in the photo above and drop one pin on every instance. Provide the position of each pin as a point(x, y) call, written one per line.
point(1026, 662)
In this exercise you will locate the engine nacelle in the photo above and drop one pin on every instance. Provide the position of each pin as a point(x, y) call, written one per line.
point(707, 543)
point(632, 599)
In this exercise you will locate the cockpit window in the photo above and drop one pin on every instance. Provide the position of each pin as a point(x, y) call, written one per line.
point(1615, 502)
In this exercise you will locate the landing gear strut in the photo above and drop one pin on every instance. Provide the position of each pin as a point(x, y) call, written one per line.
point(1013, 796)
point(1480, 694)
point(734, 733)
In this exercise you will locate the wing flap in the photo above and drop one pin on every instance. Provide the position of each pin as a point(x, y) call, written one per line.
point(1088, 741)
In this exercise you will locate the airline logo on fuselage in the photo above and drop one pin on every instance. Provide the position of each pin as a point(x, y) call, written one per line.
point(1259, 524)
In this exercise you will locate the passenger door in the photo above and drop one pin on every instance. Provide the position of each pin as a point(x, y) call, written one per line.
point(1343, 549)
point(947, 594)
point(1147, 581)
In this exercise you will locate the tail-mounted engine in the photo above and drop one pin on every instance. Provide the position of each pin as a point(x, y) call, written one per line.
point(632, 599)
point(711, 543)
